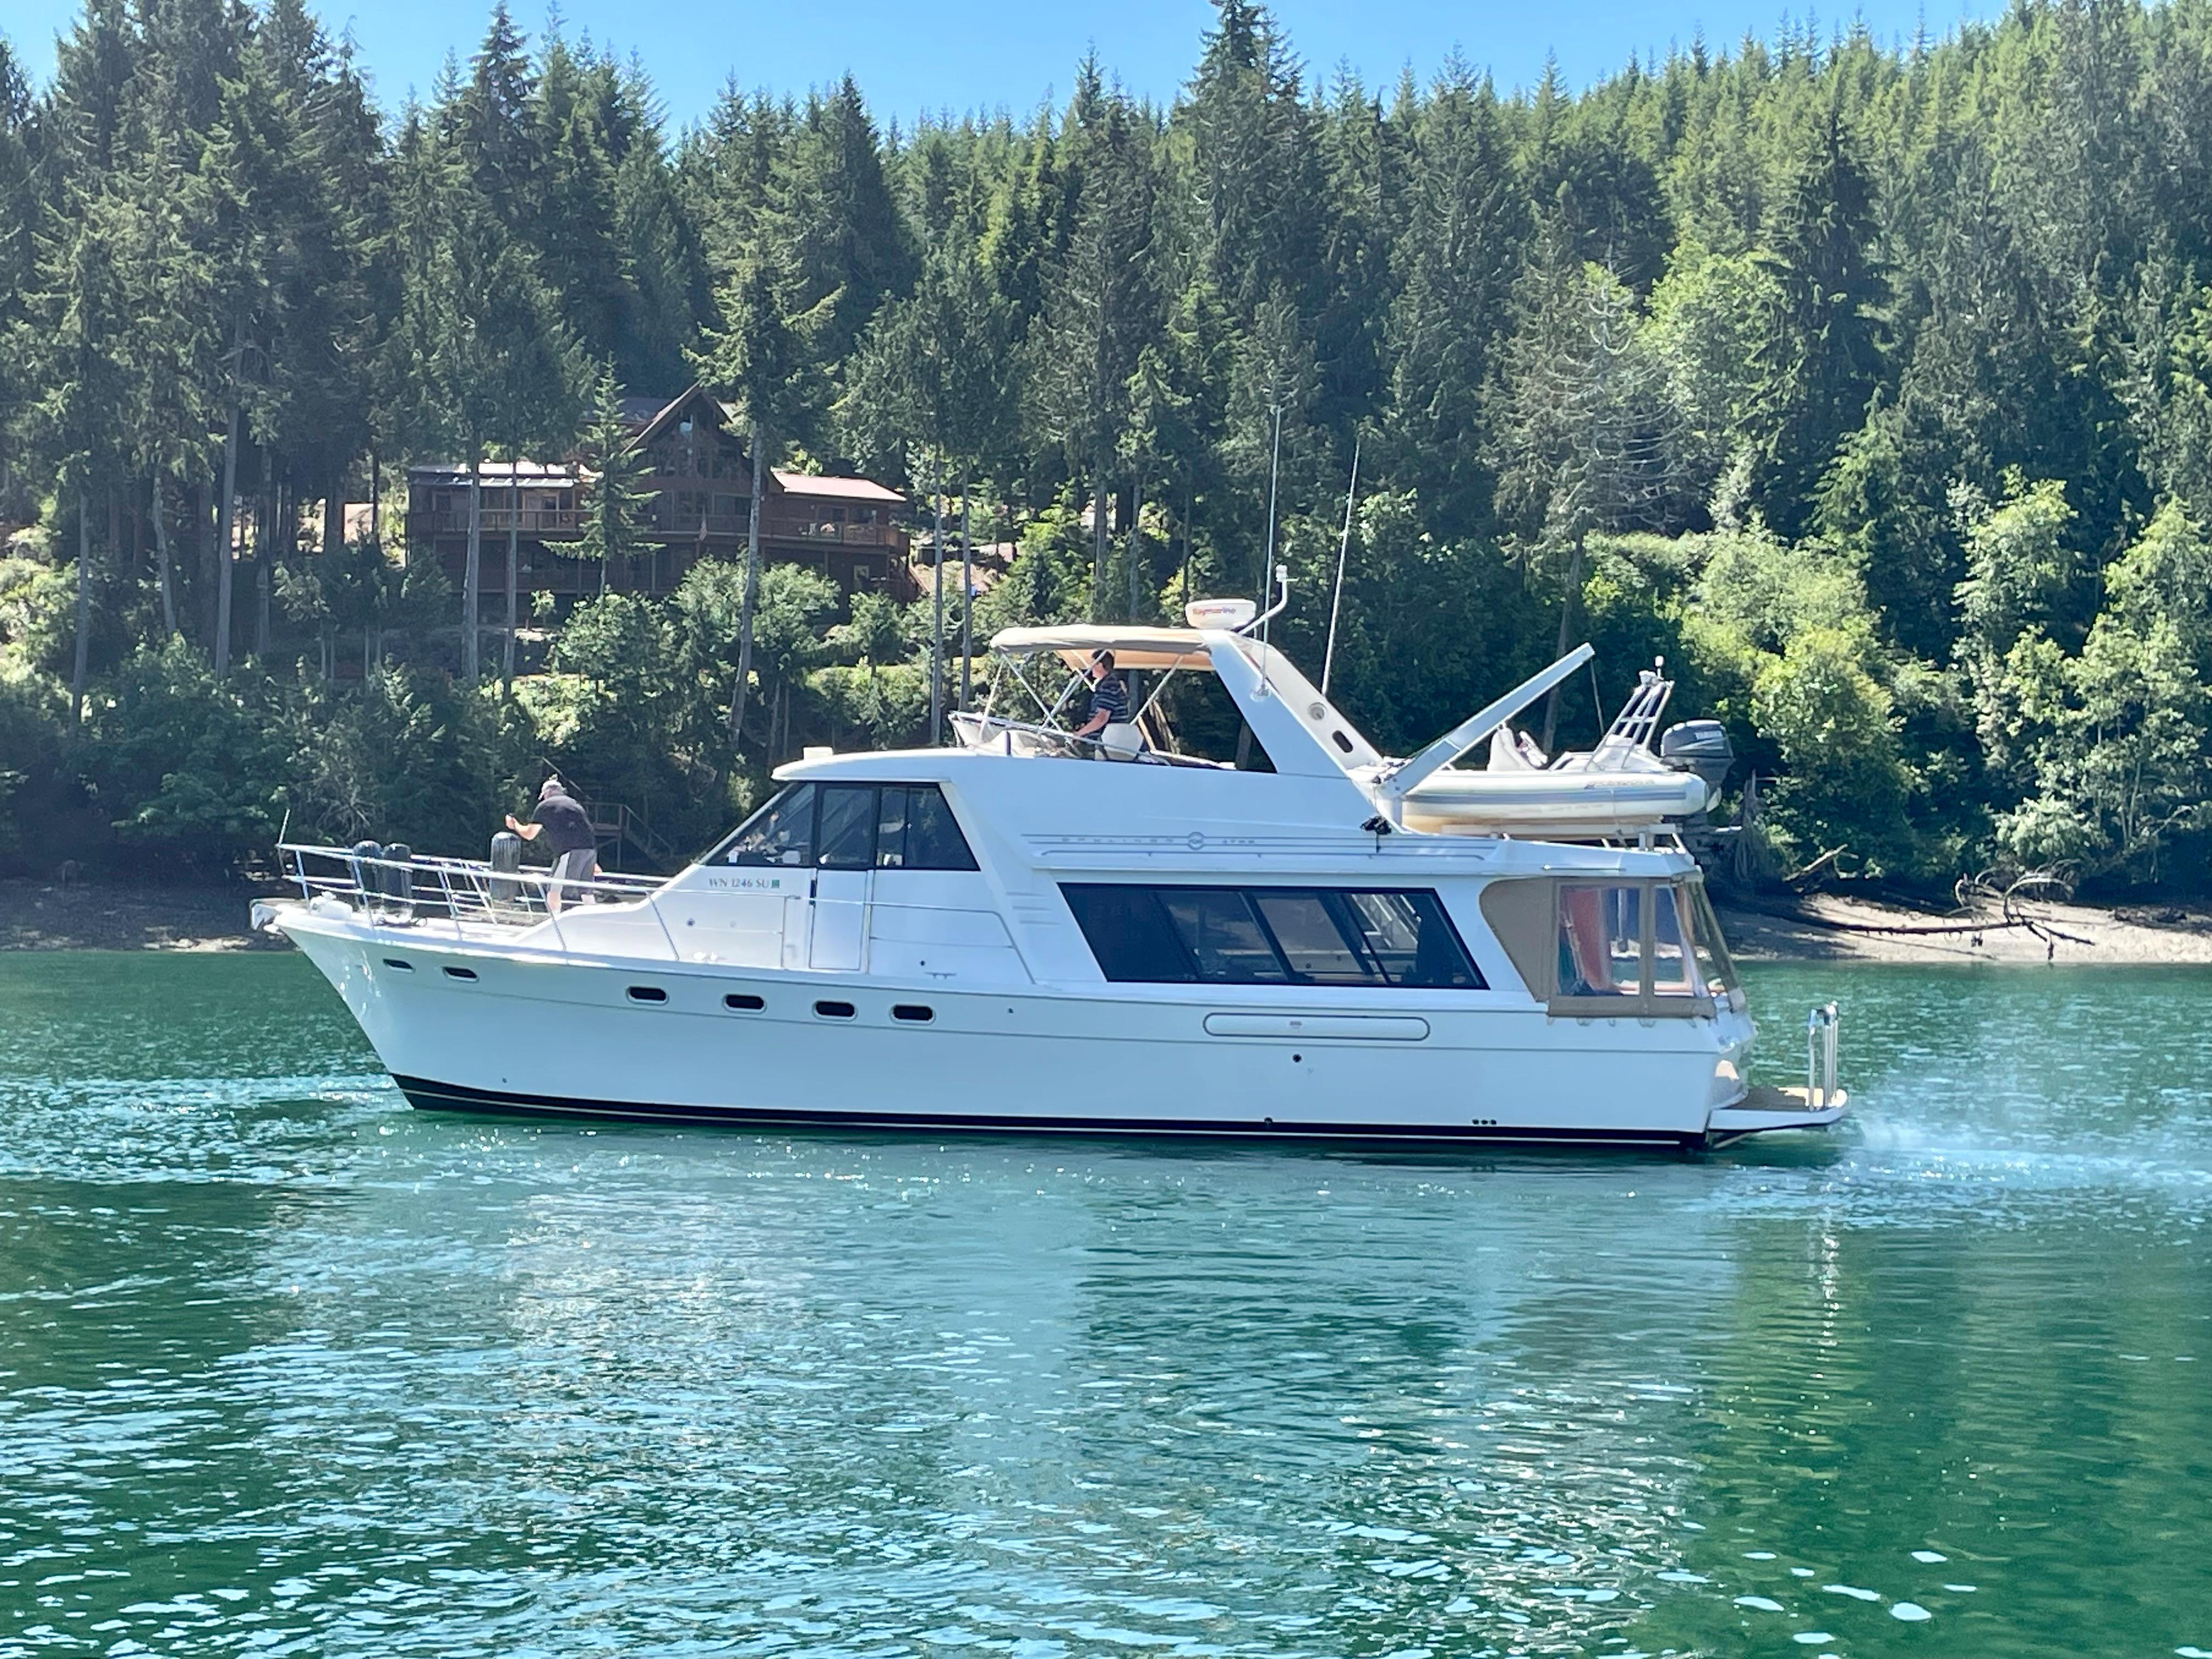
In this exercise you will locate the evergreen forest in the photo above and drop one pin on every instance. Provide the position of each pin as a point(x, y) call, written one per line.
point(1869, 386)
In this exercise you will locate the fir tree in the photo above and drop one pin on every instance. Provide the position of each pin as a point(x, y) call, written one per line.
point(615, 509)
point(762, 358)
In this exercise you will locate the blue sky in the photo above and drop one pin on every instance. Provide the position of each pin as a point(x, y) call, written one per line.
point(917, 55)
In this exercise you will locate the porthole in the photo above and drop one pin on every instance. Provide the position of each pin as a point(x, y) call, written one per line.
point(833, 1010)
point(914, 1013)
point(464, 973)
point(399, 965)
point(745, 1002)
point(1342, 742)
point(647, 994)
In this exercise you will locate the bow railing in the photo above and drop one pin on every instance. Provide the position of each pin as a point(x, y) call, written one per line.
point(395, 885)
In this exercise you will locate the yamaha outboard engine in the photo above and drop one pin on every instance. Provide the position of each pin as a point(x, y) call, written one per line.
point(1701, 747)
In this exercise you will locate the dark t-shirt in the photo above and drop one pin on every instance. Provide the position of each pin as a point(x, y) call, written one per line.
point(1111, 697)
point(567, 829)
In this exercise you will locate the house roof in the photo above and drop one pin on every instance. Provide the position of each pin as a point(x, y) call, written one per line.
point(843, 489)
point(651, 414)
point(648, 416)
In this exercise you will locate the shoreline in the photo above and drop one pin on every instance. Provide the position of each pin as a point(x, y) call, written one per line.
point(95, 914)
point(1834, 927)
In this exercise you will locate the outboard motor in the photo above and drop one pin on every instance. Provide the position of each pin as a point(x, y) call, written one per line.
point(505, 861)
point(1701, 747)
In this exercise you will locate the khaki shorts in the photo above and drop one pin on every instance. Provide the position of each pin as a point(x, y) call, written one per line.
point(573, 866)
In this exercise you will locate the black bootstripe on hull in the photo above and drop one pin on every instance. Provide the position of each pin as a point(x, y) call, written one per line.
point(430, 1096)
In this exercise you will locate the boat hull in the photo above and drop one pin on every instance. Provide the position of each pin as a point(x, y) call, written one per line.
point(485, 1030)
point(427, 1095)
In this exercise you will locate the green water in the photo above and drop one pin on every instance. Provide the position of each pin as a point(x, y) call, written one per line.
point(286, 1367)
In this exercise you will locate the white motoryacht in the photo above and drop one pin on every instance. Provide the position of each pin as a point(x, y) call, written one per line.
point(1031, 931)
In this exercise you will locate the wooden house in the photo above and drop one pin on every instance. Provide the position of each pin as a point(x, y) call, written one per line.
point(699, 477)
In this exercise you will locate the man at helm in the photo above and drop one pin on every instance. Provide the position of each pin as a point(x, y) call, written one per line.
point(1109, 697)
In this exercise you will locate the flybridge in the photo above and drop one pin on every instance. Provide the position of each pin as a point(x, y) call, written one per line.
point(1619, 789)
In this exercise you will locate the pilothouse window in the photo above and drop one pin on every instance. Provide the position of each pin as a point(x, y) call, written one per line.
point(851, 826)
point(848, 837)
point(915, 831)
point(780, 833)
point(1271, 936)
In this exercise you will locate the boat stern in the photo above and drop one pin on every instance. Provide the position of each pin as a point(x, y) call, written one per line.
point(1755, 1109)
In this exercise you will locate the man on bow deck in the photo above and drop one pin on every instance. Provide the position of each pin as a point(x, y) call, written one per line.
point(568, 831)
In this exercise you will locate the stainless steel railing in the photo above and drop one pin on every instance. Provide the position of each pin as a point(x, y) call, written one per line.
point(1822, 1026)
point(996, 734)
point(605, 915)
point(419, 886)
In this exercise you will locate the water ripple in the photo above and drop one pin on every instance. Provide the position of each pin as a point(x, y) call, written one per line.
point(284, 1365)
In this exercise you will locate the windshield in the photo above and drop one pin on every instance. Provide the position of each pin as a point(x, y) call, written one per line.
point(782, 832)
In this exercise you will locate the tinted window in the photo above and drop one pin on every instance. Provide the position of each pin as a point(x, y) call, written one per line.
point(1411, 940)
point(1129, 934)
point(1313, 944)
point(1224, 938)
point(890, 827)
point(915, 831)
point(934, 841)
point(782, 832)
point(848, 837)
point(849, 826)
point(1272, 936)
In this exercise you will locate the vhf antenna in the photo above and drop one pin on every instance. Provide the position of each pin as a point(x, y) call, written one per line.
point(1343, 551)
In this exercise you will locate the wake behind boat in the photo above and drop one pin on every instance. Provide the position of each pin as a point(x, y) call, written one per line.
point(1042, 931)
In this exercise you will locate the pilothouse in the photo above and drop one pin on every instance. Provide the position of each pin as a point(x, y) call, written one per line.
point(1044, 927)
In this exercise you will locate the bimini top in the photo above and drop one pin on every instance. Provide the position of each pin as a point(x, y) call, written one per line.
point(1133, 645)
